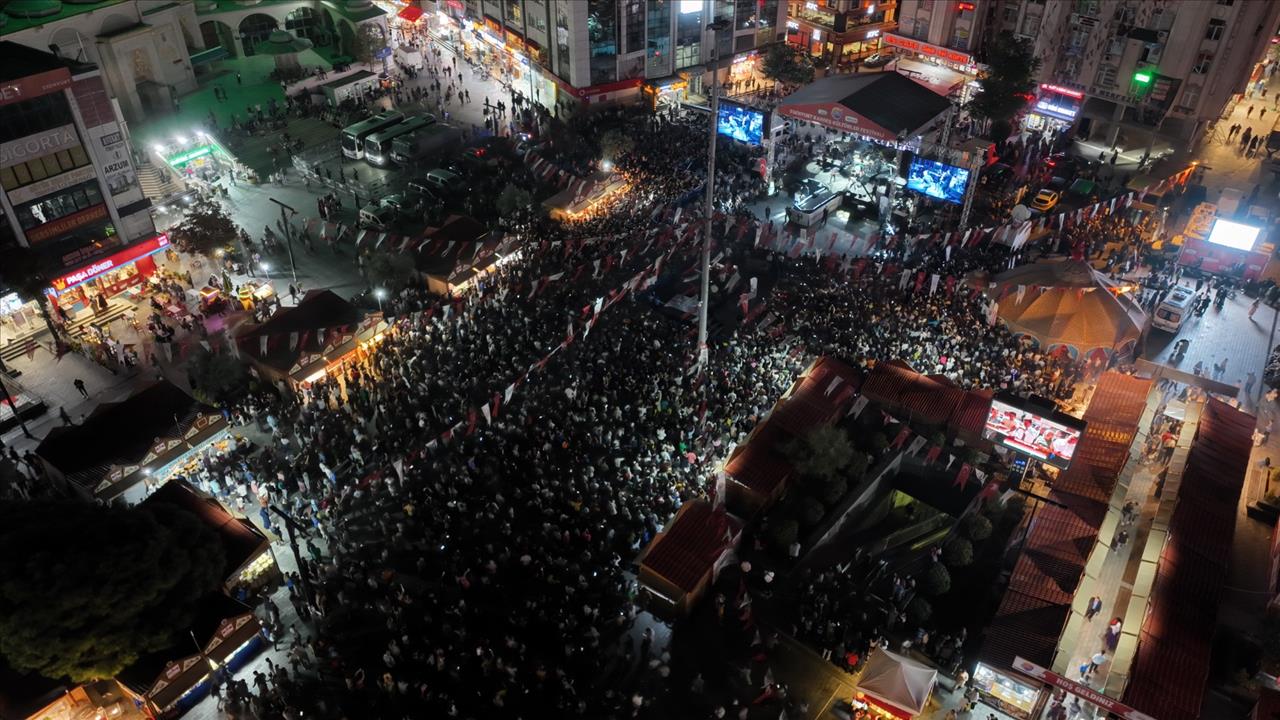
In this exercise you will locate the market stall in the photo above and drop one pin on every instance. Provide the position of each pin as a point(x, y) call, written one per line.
point(893, 686)
point(119, 445)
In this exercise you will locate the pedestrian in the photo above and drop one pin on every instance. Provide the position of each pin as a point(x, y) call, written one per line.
point(64, 417)
point(1093, 608)
point(1098, 659)
point(80, 386)
point(238, 80)
point(1249, 112)
point(1253, 308)
point(1249, 380)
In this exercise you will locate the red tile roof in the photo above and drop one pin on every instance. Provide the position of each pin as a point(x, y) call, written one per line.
point(1171, 667)
point(930, 399)
point(690, 545)
point(1047, 573)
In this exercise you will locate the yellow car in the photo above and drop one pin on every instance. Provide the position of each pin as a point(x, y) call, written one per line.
point(1045, 201)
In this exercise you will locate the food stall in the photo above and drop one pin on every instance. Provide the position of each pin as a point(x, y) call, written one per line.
point(894, 687)
point(252, 294)
point(1013, 696)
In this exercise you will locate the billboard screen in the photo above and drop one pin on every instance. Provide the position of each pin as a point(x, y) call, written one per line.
point(741, 123)
point(1053, 441)
point(1234, 235)
point(937, 180)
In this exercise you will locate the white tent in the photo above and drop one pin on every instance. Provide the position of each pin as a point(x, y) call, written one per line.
point(901, 682)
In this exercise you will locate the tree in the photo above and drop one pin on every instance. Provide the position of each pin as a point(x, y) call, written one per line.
point(822, 453)
point(919, 611)
point(958, 552)
point(936, 581)
point(368, 42)
point(809, 511)
point(205, 229)
point(615, 143)
point(783, 533)
point(389, 271)
point(23, 271)
point(218, 377)
point(856, 470)
point(85, 590)
point(833, 491)
point(1009, 80)
point(976, 526)
point(787, 64)
point(511, 199)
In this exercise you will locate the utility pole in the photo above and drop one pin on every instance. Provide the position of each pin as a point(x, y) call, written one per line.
point(13, 408)
point(294, 527)
point(288, 235)
point(705, 296)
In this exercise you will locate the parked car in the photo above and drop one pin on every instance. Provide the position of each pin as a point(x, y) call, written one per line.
point(443, 181)
point(1045, 200)
point(406, 205)
point(879, 59)
point(377, 217)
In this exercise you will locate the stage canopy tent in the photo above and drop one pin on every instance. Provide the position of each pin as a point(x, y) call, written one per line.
point(1064, 303)
point(883, 105)
point(902, 683)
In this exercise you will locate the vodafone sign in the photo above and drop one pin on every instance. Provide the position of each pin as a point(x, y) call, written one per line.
point(111, 262)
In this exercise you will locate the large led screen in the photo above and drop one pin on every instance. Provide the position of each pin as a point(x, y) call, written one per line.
point(1051, 441)
point(741, 123)
point(1234, 235)
point(944, 182)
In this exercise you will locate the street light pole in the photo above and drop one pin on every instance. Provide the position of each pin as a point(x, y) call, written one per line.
point(294, 527)
point(705, 296)
point(288, 235)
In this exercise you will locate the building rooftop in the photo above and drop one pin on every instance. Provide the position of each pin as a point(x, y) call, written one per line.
point(12, 23)
point(21, 61)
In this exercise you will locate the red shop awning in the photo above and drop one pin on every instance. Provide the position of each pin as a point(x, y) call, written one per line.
point(410, 13)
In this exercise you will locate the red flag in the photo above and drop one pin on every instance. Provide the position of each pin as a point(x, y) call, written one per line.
point(962, 477)
point(495, 404)
point(471, 421)
point(933, 454)
point(903, 434)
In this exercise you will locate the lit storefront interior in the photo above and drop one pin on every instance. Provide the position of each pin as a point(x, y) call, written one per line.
point(1005, 692)
point(92, 285)
point(1055, 108)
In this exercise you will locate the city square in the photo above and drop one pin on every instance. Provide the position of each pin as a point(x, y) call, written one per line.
point(639, 359)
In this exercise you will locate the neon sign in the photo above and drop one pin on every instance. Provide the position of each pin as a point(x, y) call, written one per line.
point(120, 259)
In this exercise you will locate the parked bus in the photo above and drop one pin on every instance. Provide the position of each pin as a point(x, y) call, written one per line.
point(377, 147)
point(354, 136)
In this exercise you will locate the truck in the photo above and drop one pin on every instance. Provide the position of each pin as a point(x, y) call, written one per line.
point(409, 57)
point(355, 85)
point(408, 149)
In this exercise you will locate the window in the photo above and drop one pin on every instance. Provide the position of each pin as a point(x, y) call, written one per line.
point(1190, 98)
point(25, 173)
point(634, 22)
point(1203, 63)
point(564, 57)
point(1010, 14)
point(1228, 3)
point(1216, 29)
point(746, 14)
point(35, 115)
point(659, 37)
point(73, 200)
point(1107, 76)
point(602, 34)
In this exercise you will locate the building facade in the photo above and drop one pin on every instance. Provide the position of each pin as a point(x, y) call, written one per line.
point(1139, 69)
point(944, 23)
point(840, 31)
point(68, 187)
point(592, 51)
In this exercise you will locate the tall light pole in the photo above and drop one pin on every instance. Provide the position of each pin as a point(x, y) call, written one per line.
point(705, 296)
point(288, 234)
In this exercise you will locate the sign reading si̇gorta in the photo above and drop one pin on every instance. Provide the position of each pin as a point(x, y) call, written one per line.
point(1084, 692)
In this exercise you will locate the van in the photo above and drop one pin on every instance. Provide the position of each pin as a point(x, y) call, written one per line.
point(408, 149)
point(409, 57)
point(443, 180)
point(377, 217)
point(1174, 310)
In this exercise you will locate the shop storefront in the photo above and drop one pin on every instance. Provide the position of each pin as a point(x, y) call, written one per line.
point(199, 158)
point(357, 347)
point(1055, 108)
point(945, 56)
point(103, 279)
point(1010, 694)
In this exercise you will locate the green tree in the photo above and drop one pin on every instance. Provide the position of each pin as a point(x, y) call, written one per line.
point(368, 42)
point(783, 533)
point(787, 64)
point(919, 611)
point(205, 229)
point(22, 270)
point(936, 581)
point(1008, 81)
point(958, 552)
point(511, 199)
point(879, 442)
point(615, 143)
point(833, 491)
point(976, 526)
point(389, 271)
point(822, 453)
point(858, 465)
point(85, 590)
point(219, 377)
point(809, 511)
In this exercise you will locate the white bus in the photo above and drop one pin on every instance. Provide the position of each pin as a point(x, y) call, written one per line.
point(354, 136)
point(377, 147)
